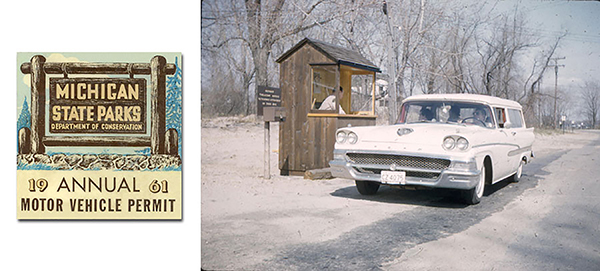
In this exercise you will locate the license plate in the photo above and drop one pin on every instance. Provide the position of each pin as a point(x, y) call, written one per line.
point(393, 177)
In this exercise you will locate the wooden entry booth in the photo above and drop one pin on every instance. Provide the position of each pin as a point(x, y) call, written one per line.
point(310, 72)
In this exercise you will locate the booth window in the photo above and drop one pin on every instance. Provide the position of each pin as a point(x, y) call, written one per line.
point(358, 90)
point(324, 82)
point(362, 93)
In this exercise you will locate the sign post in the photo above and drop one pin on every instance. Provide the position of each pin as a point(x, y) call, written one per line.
point(267, 97)
point(269, 102)
point(267, 159)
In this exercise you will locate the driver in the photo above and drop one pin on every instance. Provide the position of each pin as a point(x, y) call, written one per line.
point(479, 114)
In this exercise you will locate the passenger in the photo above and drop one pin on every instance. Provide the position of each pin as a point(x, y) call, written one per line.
point(454, 114)
point(426, 115)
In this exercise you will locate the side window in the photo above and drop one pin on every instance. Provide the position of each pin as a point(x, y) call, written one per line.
point(500, 116)
point(515, 118)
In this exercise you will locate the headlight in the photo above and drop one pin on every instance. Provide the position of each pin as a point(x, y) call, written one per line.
point(448, 143)
point(340, 137)
point(455, 142)
point(462, 144)
point(352, 138)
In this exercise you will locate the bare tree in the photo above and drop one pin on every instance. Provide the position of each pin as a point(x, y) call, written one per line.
point(225, 97)
point(499, 54)
point(224, 54)
point(405, 34)
point(538, 70)
point(590, 101)
point(268, 22)
point(256, 25)
point(532, 96)
point(422, 46)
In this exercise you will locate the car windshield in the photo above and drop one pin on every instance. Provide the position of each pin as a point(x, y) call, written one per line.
point(461, 113)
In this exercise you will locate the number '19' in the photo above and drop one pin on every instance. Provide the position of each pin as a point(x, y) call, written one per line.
point(41, 184)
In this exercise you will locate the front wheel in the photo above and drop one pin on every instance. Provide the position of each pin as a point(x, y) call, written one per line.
point(474, 195)
point(366, 187)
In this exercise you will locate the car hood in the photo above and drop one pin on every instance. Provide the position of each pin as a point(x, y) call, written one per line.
point(417, 137)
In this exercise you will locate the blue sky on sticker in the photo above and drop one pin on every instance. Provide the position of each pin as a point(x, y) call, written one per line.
point(24, 90)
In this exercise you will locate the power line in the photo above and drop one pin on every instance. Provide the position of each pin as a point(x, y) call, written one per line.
point(556, 66)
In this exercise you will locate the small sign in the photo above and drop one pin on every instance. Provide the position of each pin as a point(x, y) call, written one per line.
point(267, 97)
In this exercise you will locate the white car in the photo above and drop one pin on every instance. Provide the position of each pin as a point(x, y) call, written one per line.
point(455, 141)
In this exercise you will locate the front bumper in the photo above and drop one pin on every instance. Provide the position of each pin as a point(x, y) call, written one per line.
point(449, 177)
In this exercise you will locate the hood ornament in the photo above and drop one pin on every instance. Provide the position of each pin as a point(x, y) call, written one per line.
point(404, 131)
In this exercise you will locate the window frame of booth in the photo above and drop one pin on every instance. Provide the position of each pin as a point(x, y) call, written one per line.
point(343, 77)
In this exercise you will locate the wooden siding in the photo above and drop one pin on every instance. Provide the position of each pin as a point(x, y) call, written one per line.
point(307, 142)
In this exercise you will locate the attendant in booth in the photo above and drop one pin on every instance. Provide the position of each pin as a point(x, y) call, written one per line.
point(330, 102)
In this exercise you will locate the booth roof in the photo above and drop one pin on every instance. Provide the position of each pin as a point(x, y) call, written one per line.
point(337, 53)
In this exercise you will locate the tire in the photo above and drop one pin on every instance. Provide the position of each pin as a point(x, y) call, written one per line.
point(474, 195)
point(366, 187)
point(517, 176)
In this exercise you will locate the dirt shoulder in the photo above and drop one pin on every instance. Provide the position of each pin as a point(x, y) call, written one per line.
point(246, 218)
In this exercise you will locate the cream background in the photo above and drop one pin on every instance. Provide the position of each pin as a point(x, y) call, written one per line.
point(143, 179)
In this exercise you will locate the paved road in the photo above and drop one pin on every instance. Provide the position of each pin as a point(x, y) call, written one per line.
point(566, 237)
point(550, 220)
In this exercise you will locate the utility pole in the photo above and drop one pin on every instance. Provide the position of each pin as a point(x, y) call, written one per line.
point(556, 66)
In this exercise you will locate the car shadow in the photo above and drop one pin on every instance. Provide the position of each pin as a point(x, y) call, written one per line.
point(491, 189)
point(442, 198)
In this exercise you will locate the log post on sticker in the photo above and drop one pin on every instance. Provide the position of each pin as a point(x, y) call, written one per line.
point(99, 136)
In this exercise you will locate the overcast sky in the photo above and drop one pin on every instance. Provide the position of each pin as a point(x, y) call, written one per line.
point(581, 47)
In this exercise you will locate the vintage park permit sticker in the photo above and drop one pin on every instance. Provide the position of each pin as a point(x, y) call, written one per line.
point(99, 136)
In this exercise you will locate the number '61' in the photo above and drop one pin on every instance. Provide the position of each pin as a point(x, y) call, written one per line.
point(156, 187)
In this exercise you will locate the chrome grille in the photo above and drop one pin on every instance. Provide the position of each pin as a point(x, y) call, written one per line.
point(400, 161)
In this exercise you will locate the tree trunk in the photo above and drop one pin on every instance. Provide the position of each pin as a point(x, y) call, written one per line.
point(261, 58)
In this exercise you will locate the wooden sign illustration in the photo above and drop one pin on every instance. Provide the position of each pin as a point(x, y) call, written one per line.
point(99, 141)
point(91, 105)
